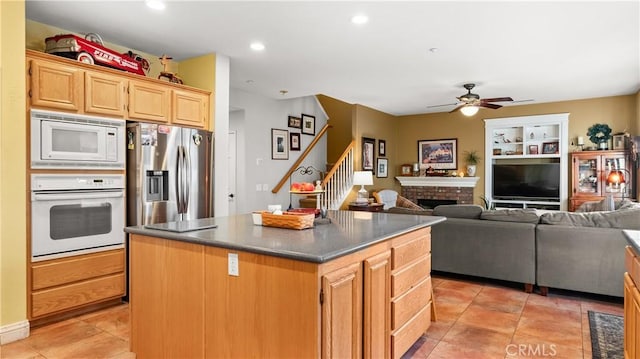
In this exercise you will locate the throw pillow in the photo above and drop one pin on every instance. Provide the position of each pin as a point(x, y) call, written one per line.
point(471, 211)
point(511, 215)
point(403, 202)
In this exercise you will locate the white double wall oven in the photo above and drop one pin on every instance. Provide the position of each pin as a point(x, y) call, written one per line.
point(76, 211)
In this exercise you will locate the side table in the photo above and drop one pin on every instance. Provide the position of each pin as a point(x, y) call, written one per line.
point(373, 207)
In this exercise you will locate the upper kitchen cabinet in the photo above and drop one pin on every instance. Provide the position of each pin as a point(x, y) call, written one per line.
point(58, 83)
point(105, 94)
point(190, 108)
point(149, 101)
point(55, 85)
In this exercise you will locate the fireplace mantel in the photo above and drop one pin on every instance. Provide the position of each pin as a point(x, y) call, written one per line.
point(438, 181)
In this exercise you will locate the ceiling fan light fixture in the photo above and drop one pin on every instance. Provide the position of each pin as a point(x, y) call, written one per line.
point(469, 110)
point(155, 4)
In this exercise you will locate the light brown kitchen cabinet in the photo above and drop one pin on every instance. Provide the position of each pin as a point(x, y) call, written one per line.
point(589, 176)
point(105, 94)
point(342, 313)
point(58, 83)
point(150, 102)
point(373, 303)
point(55, 85)
point(190, 108)
point(60, 285)
point(632, 305)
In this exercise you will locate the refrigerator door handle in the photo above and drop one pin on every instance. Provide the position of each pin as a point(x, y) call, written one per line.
point(187, 178)
point(179, 183)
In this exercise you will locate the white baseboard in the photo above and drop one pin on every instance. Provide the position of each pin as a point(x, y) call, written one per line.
point(13, 332)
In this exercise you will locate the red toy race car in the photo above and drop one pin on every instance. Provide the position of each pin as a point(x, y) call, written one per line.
point(91, 50)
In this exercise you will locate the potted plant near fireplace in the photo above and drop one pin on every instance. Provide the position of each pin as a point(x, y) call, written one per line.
point(471, 158)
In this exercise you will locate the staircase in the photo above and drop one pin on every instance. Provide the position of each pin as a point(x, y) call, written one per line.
point(338, 181)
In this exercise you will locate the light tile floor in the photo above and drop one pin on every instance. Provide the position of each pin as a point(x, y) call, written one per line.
point(476, 319)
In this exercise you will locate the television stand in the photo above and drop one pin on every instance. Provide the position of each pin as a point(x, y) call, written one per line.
point(509, 204)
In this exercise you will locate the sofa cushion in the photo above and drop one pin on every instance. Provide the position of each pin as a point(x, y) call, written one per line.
point(625, 218)
point(511, 215)
point(470, 211)
point(406, 203)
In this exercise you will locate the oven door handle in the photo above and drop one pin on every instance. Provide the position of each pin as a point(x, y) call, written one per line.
point(75, 196)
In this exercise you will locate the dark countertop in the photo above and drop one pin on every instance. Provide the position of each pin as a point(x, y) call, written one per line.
point(348, 232)
point(633, 237)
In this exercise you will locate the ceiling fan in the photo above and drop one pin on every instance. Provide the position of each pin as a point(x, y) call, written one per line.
point(471, 102)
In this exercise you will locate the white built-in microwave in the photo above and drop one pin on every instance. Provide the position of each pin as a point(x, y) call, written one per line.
point(70, 141)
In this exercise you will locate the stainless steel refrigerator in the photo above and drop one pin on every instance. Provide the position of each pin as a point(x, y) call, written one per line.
point(169, 173)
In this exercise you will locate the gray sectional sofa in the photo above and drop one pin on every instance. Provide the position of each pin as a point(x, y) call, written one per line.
point(565, 250)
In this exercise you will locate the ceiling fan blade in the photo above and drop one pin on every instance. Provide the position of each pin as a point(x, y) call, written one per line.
point(448, 104)
point(457, 108)
point(490, 105)
point(516, 101)
point(497, 99)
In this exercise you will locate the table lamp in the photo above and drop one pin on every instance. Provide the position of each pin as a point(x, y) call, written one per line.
point(362, 178)
point(616, 181)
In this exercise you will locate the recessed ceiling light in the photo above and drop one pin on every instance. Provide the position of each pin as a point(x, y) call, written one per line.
point(155, 4)
point(434, 49)
point(257, 46)
point(359, 19)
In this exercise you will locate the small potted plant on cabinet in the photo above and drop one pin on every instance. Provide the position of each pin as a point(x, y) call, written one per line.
point(471, 158)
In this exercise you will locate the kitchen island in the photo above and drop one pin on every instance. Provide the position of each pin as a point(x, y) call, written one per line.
point(357, 286)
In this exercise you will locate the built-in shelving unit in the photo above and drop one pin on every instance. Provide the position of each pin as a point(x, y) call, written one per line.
point(526, 140)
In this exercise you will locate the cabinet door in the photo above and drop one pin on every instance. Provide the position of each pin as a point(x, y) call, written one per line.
point(56, 86)
point(190, 109)
point(104, 94)
point(586, 176)
point(342, 313)
point(377, 313)
point(148, 101)
point(631, 314)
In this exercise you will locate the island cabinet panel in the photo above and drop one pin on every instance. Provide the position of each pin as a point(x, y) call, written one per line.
point(270, 310)
point(105, 94)
point(56, 86)
point(148, 101)
point(190, 108)
point(167, 298)
point(377, 313)
point(342, 313)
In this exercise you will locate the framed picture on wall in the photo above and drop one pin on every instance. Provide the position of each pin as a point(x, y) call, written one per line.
point(368, 152)
point(438, 154)
point(382, 148)
point(294, 122)
point(383, 168)
point(294, 141)
point(308, 124)
point(279, 144)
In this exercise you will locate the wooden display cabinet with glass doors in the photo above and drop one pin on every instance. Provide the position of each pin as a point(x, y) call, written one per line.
point(590, 170)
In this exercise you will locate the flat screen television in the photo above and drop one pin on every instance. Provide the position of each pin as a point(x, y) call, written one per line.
point(534, 182)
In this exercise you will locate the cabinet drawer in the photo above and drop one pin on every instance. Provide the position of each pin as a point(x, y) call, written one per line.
point(64, 297)
point(408, 252)
point(73, 269)
point(407, 305)
point(410, 275)
point(404, 338)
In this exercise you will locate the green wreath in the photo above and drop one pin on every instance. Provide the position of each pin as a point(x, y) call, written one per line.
point(599, 132)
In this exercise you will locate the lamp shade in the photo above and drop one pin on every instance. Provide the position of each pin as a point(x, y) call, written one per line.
point(469, 110)
point(615, 177)
point(364, 178)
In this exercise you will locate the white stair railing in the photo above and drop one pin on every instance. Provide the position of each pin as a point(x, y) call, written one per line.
point(338, 181)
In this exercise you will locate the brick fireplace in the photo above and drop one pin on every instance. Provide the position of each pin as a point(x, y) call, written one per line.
point(432, 191)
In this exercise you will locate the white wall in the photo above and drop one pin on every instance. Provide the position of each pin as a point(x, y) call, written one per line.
point(253, 118)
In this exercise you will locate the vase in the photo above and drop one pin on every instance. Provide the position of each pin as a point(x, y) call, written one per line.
point(471, 170)
point(602, 145)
